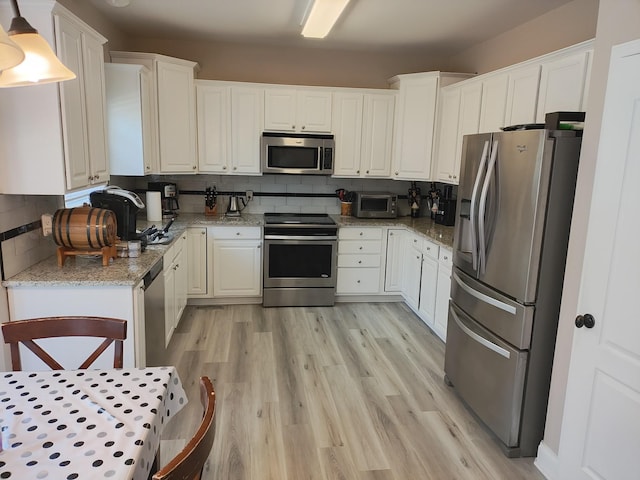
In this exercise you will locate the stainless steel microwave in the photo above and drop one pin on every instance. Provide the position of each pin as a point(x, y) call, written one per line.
point(302, 154)
point(375, 205)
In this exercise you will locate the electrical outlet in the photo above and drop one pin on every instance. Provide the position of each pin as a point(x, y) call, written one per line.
point(249, 195)
point(47, 224)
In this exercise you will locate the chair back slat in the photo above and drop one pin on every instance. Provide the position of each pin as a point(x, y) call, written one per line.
point(26, 331)
point(189, 463)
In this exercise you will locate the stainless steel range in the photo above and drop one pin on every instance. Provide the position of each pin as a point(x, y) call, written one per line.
point(300, 259)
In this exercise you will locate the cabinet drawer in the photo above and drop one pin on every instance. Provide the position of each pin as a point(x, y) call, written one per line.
point(228, 233)
point(367, 233)
point(358, 261)
point(446, 257)
point(365, 246)
point(430, 249)
point(358, 280)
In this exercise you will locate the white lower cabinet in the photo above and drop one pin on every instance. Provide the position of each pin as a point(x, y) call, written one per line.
point(175, 285)
point(360, 253)
point(428, 283)
point(236, 257)
point(412, 267)
point(197, 262)
point(393, 264)
point(442, 293)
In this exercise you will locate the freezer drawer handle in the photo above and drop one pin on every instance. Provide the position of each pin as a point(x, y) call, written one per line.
point(485, 298)
point(482, 341)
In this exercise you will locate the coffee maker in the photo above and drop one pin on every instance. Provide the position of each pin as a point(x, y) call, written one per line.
point(125, 204)
point(446, 211)
point(168, 197)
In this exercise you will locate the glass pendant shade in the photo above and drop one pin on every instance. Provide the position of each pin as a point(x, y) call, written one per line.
point(39, 66)
point(10, 53)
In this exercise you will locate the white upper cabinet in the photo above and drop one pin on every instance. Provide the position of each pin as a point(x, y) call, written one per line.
point(363, 128)
point(53, 136)
point(494, 103)
point(173, 109)
point(460, 115)
point(212, 102)
point(563, 85)
point(129, 123)
point(522, 95)
point(415, 122)
point(247, 120)
point(297, 109)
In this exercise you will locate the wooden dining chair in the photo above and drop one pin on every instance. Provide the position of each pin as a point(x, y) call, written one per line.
point(188, 464)
point(26, 331)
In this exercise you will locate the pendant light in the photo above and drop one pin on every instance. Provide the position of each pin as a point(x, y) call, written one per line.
point(10, 53)
point(40, 64)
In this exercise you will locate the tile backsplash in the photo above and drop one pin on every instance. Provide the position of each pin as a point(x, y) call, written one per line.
point(274, 184)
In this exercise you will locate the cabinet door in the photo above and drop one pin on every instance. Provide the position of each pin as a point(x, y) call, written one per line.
point(377, 143)
point(415, 122)
point(522, 95)
point(237, 268)
point(494, 103)
point(176, 118)
point(93, 61)
point(394, 261)
point(170, 309)
point(442, 302)
point(562, 85)
point(313, 111)
point(449, 115)
point(181, 280)
point(347, 125)
point(78, 169)
point(213, 131)
point(139, 325)
point(280, 109)
point(197, 261)
point(428, 289)
point(412, 265)
point(470, 101)
point(247, 114)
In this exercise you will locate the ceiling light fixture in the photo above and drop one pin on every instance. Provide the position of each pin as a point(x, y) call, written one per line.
point(119, 3)
point(322, 16)
point(40, 64)
point(10, 53)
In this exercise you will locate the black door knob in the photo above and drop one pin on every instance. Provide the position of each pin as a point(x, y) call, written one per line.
point(586, 320)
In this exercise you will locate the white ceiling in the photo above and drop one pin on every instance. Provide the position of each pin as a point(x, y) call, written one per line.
point(433, 26)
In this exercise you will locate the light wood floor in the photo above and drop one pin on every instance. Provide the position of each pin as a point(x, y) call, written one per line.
point(351, 392)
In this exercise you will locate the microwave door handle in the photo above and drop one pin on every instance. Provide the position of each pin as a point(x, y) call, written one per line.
point(482, 207)
point(472, 211)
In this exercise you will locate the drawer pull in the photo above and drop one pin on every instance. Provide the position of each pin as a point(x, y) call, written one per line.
point(482, 341)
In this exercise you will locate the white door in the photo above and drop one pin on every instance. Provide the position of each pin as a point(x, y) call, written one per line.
point(601, 427)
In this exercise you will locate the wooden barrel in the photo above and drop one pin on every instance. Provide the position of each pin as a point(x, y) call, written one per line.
point(84, 228)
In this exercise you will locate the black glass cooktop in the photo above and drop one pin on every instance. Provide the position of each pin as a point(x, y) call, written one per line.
point(298, 219)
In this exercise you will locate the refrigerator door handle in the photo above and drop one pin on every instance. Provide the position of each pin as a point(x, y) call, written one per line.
point(482, 207)
point(482, 297)
point(472, 211)
point(482, 341)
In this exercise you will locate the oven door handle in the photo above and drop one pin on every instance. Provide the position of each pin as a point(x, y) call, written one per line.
point(318, 238)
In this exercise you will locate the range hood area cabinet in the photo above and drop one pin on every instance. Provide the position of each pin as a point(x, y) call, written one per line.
point(415, 121)
point(173, 110)
point(303, 110)
point(53, 136)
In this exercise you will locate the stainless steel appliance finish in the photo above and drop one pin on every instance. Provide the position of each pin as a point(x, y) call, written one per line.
point(300, 154)
point(300, 253)
point(154, 326)
point(515, 201)
point(375, 205)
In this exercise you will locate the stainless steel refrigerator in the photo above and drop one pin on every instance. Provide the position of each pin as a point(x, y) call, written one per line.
point(515, 200)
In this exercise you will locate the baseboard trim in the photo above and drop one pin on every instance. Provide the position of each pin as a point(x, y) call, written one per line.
point(547, 462)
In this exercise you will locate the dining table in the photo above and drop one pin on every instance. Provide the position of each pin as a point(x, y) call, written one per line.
point(85, 424)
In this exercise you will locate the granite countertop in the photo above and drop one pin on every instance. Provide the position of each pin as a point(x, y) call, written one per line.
point(88, 270)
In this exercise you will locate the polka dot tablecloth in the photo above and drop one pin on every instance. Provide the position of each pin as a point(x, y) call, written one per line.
point(93, 424)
